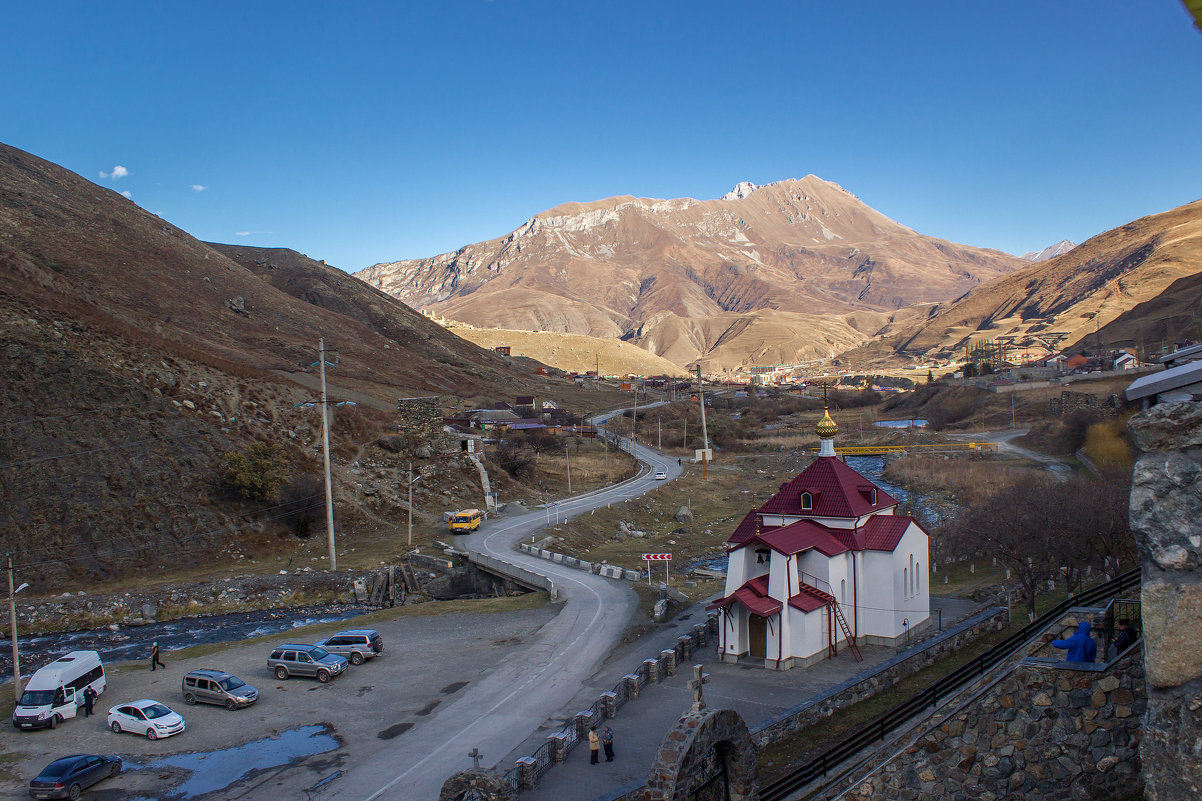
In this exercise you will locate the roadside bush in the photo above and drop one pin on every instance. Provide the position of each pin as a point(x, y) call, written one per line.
point(257, 472)
point(513, 458)
point(302, 504)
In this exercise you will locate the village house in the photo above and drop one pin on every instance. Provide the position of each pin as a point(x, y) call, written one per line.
point(826, 562)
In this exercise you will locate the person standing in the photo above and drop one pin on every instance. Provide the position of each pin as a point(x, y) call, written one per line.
point(154, 656)
point(1126, 636)
point(607, 742)
point(89, 698)
point(594, 745)
point(1080, 646)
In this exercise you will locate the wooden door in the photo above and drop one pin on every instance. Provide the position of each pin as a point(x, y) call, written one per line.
point(757, 634)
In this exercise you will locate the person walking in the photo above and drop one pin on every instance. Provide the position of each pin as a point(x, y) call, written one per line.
point(607, 742)
point(154, 656)
point(89, 698)
point(594, 745)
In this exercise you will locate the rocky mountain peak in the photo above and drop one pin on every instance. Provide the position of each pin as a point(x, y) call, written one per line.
point(742, 189)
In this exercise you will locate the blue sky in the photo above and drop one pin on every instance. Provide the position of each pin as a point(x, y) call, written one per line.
point(364, 132)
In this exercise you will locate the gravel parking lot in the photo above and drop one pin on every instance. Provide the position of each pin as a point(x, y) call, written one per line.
point(300, 731)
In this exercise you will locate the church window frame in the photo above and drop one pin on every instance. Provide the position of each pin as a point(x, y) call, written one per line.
point(807, 502)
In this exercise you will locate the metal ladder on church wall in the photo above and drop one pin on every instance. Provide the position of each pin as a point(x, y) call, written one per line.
point(833, 606)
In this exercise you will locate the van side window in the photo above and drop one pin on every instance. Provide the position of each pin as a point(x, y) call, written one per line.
point(189, 681)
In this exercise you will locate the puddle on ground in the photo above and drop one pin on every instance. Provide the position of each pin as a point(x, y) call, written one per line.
point(395, 731)
point(215, 770)
point(453, 688)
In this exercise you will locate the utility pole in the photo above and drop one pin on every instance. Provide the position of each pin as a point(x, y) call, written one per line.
point(12, 623)
point(705, 437)
point(659, 430)
point(634, 424)
point(568, 460)
point(325, 451)
point(411, 503)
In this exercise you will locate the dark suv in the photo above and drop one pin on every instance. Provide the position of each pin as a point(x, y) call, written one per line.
point(304, 660)
point(355, 644)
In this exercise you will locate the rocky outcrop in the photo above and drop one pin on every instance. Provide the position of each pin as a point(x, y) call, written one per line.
point(1166, 516)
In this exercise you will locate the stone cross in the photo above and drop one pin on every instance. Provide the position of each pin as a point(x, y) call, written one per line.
point(475, 755)
point(695, 685)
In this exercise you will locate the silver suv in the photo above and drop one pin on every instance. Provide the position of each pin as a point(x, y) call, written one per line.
point(217, 687)
point(355, 644)
point(304, 660)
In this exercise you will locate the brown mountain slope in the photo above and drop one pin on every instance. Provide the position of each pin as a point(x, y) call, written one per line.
point(1115, 282)
point(137, 356)
point(614, 266)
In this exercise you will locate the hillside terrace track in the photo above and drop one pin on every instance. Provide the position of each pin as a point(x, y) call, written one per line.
point(499, 710)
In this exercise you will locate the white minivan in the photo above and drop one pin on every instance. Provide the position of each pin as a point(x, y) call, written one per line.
point(55, 692)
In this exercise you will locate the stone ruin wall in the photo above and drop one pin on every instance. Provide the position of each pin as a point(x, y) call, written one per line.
point(1070, 401)
point(1040, 732)
point(420, 419)
point(1166, 516)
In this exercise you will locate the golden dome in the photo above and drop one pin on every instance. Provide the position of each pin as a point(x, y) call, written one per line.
point(826, 428)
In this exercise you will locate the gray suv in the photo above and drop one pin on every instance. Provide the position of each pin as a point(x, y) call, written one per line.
point(355, 644)
point(217, 687)
point(304, 660)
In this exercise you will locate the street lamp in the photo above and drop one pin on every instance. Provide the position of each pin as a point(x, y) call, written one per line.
point(12, 622)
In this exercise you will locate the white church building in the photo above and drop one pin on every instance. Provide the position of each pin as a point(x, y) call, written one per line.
point(826, 562)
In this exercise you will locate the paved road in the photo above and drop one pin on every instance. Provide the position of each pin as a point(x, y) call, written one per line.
point(1004, 439)
point(509, 702)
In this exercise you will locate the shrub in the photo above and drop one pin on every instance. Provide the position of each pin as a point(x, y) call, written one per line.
point(302, 504)
point(257, 472)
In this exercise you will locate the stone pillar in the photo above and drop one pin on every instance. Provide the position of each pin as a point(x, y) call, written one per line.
point(583, 721)
point(558, 746)
point(684, 647)
point(527, 775)
point(632, 685)
point(652, 666)
point(668, 657)
point(700, 633)
point(609, 703)
point(1166, 518)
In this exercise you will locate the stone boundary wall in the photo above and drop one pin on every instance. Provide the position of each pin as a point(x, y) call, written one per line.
point(1044, 731)
point(597, 569)
point(870, 682)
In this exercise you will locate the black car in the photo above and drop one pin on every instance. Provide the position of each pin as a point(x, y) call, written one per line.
point(69, 776)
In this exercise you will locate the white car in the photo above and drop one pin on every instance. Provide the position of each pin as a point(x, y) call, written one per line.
point(660, 475)
point(147, 717)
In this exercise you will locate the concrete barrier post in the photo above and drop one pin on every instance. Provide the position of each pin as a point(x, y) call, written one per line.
point(609, 703)
point(632, 685)
point(583, 721)
point(527, 774)
point(558, 746)
point(668, 657)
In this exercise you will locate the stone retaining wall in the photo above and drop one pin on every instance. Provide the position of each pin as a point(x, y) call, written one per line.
point(871, 682)
point(1041, 731)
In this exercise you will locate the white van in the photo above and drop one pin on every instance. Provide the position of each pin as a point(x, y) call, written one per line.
point(55, 692)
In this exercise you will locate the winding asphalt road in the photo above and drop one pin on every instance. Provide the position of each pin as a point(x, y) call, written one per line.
point(504, 706)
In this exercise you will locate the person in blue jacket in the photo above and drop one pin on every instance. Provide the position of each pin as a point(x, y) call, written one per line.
point(1081, 647)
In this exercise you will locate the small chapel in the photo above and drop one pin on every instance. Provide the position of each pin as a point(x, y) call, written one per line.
point(826, 563)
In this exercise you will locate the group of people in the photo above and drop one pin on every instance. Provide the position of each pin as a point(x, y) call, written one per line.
point(1081, 646)
point(598, 741)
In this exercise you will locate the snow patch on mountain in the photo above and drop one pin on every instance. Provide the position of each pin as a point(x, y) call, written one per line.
point(1050, 252)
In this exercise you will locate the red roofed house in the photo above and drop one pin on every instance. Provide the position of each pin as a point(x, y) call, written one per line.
point(826, 561)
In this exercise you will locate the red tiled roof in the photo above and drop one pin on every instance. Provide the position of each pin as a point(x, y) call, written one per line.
point(837, 490)
point(801, 536)
point(810, 598)
point(883, 532)
point(754, 596)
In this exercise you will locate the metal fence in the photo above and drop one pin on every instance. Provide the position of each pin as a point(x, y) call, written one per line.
point(929, 698)
point(595, 715)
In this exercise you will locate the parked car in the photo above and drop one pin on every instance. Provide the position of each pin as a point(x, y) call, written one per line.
point(149, 717)
point(304, 660)
point(660, 475)
point(69, 776)
point(210, 686)
point(354, 644)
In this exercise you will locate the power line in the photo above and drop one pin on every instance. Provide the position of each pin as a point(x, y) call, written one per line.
point(91, 557)
point(40, 459)
point(73, 414)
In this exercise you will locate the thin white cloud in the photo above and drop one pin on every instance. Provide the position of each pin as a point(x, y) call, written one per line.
point(241, 233)
point(198, 188)
point(128, 194)
point(118, 172)
point(251, 233)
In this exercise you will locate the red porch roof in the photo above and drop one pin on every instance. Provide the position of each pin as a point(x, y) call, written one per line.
point(801, 536)
point(754, 596)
